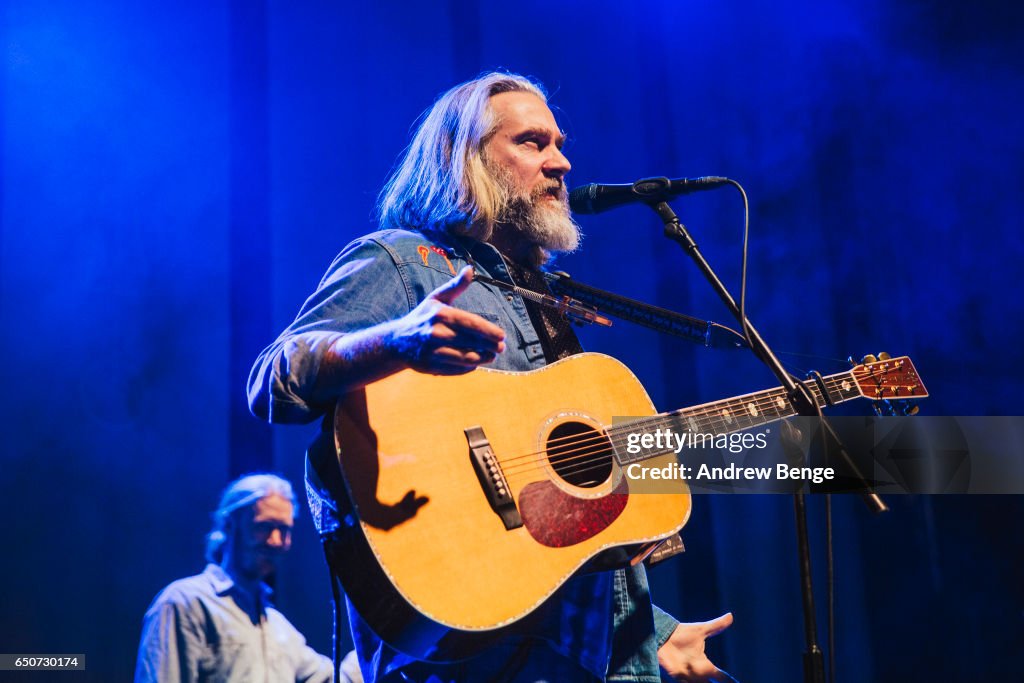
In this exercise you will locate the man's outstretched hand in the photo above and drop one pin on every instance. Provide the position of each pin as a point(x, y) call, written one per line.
point(682, 656)
point(439, 338)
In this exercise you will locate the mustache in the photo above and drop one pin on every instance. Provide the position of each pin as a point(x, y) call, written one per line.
point(555, 188)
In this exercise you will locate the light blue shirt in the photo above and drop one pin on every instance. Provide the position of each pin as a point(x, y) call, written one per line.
point(206, 628)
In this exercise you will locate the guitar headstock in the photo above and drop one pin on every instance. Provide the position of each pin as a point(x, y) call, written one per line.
point(890, 383)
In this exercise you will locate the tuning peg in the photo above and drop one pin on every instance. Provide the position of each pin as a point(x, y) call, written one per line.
point(883, 356)
point(870, 358)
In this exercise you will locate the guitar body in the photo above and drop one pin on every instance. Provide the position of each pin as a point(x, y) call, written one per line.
point(429, 565)
point(439, 552)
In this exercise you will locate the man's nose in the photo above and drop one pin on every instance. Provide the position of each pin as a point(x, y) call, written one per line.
point(557, 164)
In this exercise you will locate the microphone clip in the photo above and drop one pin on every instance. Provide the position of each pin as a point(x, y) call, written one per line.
point(653, 189)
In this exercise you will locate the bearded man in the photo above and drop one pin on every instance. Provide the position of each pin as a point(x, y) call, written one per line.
point(480, 192)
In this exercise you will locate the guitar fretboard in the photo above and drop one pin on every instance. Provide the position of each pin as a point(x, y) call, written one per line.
point(730, 415)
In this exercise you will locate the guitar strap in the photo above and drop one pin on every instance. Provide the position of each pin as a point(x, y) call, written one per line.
point(704, 332)
point(554, 330)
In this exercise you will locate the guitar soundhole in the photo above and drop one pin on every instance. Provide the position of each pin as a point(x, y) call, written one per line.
point(580, 454)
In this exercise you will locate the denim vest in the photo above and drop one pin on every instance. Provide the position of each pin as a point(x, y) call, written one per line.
point(604, 622)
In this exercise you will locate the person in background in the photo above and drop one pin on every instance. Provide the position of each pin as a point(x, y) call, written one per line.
point(221, 625)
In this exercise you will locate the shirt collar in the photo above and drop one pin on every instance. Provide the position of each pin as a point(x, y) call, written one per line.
point(223, 584)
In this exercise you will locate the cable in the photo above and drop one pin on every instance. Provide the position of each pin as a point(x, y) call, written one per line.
point(336, 596)
point(743, 267)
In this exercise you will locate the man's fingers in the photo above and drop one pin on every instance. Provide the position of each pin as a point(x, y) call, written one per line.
point(450, 291)
point(465, 325)
point(463, 321)
point(445, 360)
point(716, 626)
point(438, 336)
point(462, 340)
point(468, 358)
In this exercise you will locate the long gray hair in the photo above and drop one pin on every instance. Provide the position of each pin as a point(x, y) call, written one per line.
point(242, 493)
point(442, 183)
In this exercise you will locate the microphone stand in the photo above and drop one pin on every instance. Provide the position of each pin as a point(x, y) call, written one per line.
point(805, 405)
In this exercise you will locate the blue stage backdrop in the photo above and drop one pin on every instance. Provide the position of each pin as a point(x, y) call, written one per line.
point(176, 177)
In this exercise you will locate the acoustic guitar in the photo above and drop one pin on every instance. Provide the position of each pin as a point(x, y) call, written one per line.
point(468, 500)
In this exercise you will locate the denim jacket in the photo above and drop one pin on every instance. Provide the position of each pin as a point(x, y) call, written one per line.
point(604, 622)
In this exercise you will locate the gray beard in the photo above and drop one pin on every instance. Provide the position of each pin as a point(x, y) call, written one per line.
point(545, 223)
point(538, 220)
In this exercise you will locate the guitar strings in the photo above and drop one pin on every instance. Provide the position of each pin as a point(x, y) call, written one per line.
point(592, 448)
point(699, 413)
point(703, 418)
point(585, 457)
point(592, 438)
point(702, 415)
point(595, 449)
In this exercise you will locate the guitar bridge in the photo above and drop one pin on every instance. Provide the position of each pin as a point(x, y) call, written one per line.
point(492, 478)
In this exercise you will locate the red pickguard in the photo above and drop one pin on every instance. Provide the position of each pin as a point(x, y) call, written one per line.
point(557, 519)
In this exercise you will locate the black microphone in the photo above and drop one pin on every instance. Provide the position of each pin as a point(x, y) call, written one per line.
point(595, 198)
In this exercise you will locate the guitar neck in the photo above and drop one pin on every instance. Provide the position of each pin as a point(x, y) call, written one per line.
point(731, 414)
